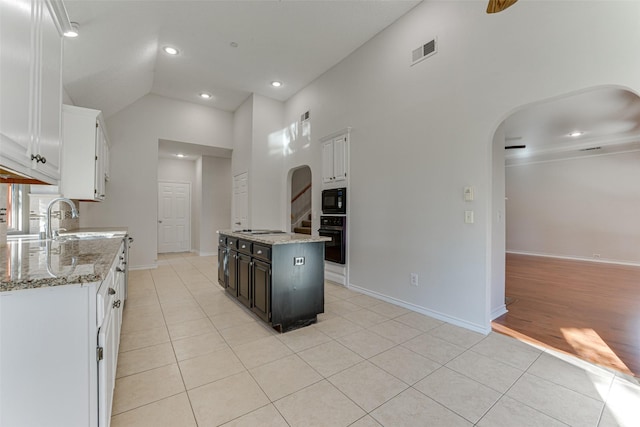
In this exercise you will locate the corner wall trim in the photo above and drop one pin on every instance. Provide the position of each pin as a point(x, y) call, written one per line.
point(499, 311)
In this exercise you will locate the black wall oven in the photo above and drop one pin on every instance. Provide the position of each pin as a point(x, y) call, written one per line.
point(334, 227)
point(334, 201)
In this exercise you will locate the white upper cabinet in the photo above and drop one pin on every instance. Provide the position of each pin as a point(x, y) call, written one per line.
point(85, 151)
point(31, 82)
point(334, 159)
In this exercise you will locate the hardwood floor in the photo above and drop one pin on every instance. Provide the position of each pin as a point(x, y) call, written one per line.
point(588, 309)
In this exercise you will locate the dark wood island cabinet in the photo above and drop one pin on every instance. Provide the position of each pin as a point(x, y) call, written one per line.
point(279, 276)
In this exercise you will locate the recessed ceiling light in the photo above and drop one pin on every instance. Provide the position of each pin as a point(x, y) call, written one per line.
point(276, 83)
point(180, 155)
point(576, 133)
point(205, 95)
point(170, 50)
point(73, 31)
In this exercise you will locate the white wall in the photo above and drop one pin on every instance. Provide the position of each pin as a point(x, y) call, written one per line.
point(267, 205)
point(132, 190)
point(420, 134)
point(216, 202)
point(576, 208)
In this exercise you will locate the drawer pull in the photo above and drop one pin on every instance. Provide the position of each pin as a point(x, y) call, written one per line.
point(259, 252)
point(112, 291)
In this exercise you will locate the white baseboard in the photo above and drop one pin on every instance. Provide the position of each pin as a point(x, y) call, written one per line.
point(144, 267)
point(427, 312)
point(335, 277)
point(576, 258)
point(499, 311)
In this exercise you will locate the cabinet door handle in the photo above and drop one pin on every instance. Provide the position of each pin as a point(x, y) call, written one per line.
point(119, 270)
point(112, 291)
point(116, 304)
point(38, 158)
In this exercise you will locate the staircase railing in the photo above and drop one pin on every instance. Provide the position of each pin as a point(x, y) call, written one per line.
point(300, 206)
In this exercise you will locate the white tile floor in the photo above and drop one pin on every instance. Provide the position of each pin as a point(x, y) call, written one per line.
point(191, 356)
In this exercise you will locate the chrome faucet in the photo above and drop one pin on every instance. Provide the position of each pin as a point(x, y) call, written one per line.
point(74, 213)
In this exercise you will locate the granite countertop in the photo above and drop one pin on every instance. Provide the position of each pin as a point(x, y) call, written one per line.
point(275, 239)
point(30, 263)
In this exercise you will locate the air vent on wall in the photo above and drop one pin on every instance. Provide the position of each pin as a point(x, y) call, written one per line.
point(423, 52)
point(304, 116)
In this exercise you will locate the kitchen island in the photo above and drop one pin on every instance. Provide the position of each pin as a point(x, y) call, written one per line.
point(279, 276)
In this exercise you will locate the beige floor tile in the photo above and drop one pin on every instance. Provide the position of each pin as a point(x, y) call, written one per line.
point(622, 405)
point(405, 364)
point(339, 291)
point(556, 401)
point(330, 358)
point(341, 307)
point(284, 376)
point(457, 335)
point(364, 300)
point(419, 321)
point(246, 333)
point(209, 367)
point(186, 348)
point(367, 385)
point(583, 378)
point(141, 310)
point(366, 343)
point(389, 310)
point(143, 338)
point(262, 351)
point(395, 331)
point(337, 327)
point(137, 322)
point(433, 348)
point(365, 318)
point(227, 399)
point(170, 412)
point(219, 304)
point(303, 338)
point(142, 298)
point(508, 413)
point(190, 328)
point(366, 421)
point(231, 319)
point(507, 350)
point(320, 405)
point(143, 359)
point(184, 316)
point(267, 416)
point(412, 408)
point(146, 387)
point(462, 395)
point(485, 370)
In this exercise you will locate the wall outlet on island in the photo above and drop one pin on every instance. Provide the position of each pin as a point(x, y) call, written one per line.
point(414, 279)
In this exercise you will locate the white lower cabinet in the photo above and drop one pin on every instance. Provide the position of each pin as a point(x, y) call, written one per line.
point(58, 353)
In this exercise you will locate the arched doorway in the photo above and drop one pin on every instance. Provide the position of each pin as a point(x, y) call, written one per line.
point(563, 198)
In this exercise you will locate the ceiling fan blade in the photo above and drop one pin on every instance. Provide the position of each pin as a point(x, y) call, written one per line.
point(511, 147)
point(496, 6)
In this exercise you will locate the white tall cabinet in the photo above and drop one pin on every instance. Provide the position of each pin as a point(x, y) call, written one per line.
point(31, 82)
point(85, 154)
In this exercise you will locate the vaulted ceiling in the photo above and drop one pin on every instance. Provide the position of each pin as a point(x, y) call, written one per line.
point(229, 49)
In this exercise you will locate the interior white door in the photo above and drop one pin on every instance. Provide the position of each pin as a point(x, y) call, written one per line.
point(240, 201)
point(174, 217)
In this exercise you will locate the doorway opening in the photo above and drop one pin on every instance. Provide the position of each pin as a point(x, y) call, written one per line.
point(301, 200)
point(564, 228)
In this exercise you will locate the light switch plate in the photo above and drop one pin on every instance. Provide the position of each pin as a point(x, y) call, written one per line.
point(468, 194)
point(468, 217)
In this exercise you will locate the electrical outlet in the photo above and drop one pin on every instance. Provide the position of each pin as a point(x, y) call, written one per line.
point(414, 279)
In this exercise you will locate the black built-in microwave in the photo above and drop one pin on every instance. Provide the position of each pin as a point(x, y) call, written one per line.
point(334, 201)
